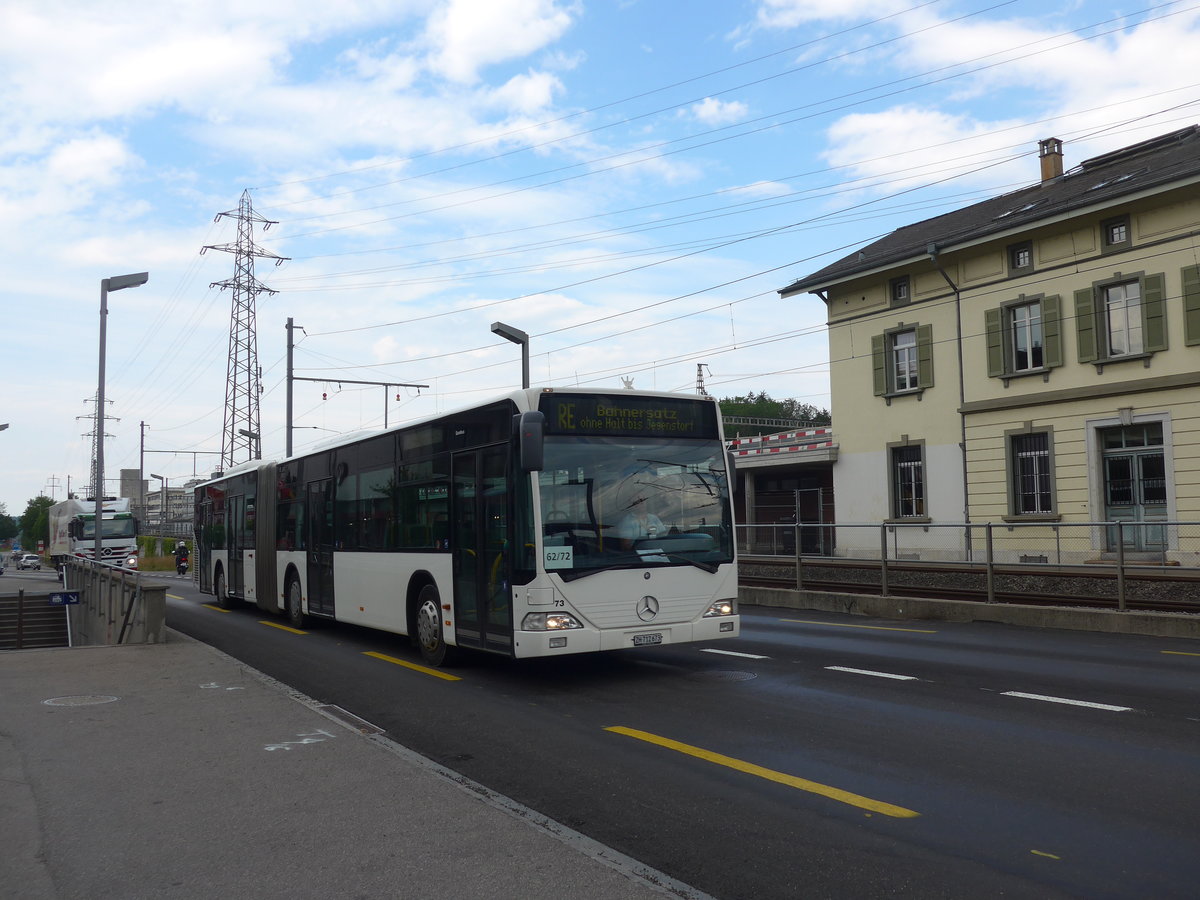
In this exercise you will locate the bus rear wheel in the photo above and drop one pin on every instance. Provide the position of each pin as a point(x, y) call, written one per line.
point(431, 638)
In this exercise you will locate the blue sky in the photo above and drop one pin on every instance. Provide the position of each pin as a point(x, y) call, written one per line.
point(629, 182)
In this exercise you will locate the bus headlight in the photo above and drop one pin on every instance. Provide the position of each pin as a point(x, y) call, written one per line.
point(549, 622)
point(722, 608)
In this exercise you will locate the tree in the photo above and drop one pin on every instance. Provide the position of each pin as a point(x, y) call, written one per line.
point(764, 406)
point(8, 525)
point(35, 522)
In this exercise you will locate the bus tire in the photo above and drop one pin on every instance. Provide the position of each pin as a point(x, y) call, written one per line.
point(431, 638)
point(223, 599)
point(295, 604)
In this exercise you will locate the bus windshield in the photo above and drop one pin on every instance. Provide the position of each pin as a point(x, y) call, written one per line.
point(611, 502)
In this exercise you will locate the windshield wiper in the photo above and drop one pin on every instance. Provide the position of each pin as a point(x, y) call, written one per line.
point(679, 557)
point(576, 574)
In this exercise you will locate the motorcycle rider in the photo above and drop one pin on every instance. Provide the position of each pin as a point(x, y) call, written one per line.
point(181, 557)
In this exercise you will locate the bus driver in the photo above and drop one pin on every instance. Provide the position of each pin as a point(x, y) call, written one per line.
point(639, 523)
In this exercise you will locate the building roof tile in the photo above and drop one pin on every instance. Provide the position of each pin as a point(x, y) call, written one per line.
point(1138, 167)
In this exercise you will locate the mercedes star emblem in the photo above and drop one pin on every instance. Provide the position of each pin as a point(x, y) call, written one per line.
point(647, 608)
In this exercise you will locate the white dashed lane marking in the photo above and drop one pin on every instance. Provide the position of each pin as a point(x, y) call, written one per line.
point(875, 674)
point(1105, 706)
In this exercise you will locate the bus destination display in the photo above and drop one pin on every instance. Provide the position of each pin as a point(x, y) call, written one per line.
point(628, 416)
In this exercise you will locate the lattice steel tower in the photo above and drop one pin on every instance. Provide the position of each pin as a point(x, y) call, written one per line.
point(241, 431)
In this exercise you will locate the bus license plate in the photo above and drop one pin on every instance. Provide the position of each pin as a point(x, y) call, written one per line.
point(641, 640)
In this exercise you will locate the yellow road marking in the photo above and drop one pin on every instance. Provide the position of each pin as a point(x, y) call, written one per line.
point(1180, 653)
point(400, 662)
point(872, 627)
point(174, 596)
point(215, 608)
point(1047, 855)
point(286, 628)
point(803, 784)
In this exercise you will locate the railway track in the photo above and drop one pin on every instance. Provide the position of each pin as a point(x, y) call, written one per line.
point(1143, 588)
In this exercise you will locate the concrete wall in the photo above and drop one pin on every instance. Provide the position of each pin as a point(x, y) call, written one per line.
point(911, 609)
point(115, 606)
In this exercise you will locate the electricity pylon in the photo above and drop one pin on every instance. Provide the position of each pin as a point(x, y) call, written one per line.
point(241, 431)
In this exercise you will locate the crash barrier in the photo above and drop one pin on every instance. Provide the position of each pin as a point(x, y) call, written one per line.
point(1150, 563)
point(111, 605)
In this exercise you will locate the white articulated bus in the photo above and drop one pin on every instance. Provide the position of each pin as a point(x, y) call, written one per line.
point(546, 522)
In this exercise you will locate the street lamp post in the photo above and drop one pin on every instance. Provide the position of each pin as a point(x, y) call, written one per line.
point(517, 336)
point(254, 436)
point(115, 283)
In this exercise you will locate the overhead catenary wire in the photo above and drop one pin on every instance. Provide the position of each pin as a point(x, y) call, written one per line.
point(697, 239)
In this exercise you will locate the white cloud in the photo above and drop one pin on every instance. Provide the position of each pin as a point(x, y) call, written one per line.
point(1063, 84)
point(794, 13)
point(713, 112)
point(527, 93)
point(762, 189)
point(468, 35)
point(95, 160)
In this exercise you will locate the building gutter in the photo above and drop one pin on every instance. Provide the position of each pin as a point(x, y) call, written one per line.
point(932, 251)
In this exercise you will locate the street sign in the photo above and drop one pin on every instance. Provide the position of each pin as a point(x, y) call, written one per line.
point(64, 598)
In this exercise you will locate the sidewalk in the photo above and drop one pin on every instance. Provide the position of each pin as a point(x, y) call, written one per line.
point(172, 770)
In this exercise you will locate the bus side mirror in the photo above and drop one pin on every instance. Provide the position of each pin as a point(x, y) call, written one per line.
point(529, 428)
point(731, 471)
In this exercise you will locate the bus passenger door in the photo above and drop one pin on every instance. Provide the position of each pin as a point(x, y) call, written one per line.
point(319, 521)
point(482, 605)
point(235, 559)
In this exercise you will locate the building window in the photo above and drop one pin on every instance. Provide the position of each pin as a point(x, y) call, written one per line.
point(900, 291)
point(1026, 335)
point(908, 482)
point(1032, 492)
point(1114, 233)
point(904, 360)
point(1123, 318)
point(1020, 258)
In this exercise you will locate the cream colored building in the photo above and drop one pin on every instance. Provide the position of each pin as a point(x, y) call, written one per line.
point(1029, 361)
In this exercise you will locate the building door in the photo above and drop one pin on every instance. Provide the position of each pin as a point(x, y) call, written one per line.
point(1135, 486)
point(482, 591)
point(319, 544)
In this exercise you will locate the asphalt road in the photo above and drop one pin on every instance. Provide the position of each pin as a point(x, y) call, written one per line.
point(827, 757)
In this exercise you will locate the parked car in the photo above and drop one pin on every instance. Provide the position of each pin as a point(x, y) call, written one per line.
point(29, 561)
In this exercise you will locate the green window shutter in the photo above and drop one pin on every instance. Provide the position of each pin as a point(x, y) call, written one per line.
point(993, 326)
point(879, 362)
point(925, 356)
point(1191, 305)
point(1052, 350)
point(1085, 325)
point(1154, 313)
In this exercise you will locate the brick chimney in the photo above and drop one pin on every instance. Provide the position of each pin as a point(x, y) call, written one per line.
point(1050, 150)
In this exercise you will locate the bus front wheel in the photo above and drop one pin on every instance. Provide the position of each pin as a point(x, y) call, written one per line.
point(431, 639)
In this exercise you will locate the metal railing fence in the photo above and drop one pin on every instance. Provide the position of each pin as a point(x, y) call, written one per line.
point(1112, 548)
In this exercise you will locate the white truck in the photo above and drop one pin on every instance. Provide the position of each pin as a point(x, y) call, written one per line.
point(73, 531)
